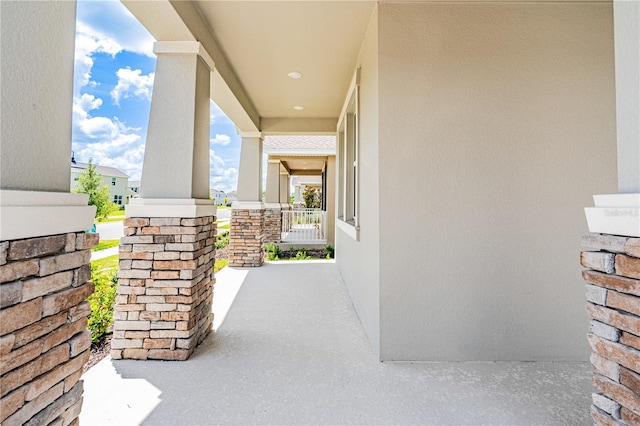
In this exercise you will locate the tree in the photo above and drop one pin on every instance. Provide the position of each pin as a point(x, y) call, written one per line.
point(90, 182)
point(311, 198)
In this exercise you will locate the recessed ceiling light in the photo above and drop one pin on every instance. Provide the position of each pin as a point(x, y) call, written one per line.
point(298, 107)
point(295, 75)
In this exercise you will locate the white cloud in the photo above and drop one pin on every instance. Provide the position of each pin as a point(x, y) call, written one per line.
point(221, 140)
point(88, 42)
point(132, 83)
point(216, 116)
point(221, 178)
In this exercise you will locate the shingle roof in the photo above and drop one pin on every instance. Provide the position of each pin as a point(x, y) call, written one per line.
point(297, 143)
point(103, 170)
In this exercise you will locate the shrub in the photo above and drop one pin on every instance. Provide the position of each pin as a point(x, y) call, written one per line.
point(219, 264)
point(330, 251)
point(222, 240)
point(273, 252)
point(302, 254)
point(102, 301)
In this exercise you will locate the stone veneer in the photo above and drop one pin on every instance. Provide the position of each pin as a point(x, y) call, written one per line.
point(613, 295)
point(272, 225)
point(44, 342)
point(165, 288)
point(246, 245)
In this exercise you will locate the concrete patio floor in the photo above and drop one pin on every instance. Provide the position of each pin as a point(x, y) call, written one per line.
point(290, 350)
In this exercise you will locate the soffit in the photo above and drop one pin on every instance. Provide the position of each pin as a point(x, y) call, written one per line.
point(265, 40)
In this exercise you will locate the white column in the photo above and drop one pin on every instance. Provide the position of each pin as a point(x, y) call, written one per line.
point(627, 47)
point(619, 214)
point(250, 173)
point(175, 174)
point(272, 191)
point(284, 188)
point(36, 69)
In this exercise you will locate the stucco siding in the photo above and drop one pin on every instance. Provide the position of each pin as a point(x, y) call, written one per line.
point(358, 261)
point(497, 124)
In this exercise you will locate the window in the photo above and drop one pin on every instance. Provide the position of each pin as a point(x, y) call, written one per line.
point(113, 181)
point(348, 153)
point(117, 199)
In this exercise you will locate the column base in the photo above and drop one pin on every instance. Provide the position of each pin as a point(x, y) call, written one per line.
point(613, 304)
point(272, 223)
point(44, 342)
point(165, 287)
point(246, 246)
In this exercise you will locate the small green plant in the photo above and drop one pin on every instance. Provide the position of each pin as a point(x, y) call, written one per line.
point(219, 264)
point(273, 252)
point(330, 251)
point(102, 300)
point(302, 254)
point(222, 240)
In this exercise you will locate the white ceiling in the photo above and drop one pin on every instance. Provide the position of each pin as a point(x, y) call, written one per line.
point(265, 40)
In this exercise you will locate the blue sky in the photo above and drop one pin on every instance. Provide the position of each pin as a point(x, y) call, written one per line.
point(113, 84)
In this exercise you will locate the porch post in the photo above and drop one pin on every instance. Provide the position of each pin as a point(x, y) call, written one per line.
point(272, 214)
point(247, 215)
point(165, 284)
point(44, 251)
point(285, 192)
point(613, 269)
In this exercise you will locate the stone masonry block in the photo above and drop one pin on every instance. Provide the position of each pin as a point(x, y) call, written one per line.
point(4, 248)
point(64, 262)
point(132, 325)
point(604, 242)
point(36, 247)
point(18, 316)
point(623, 355)
point(632, 247)
point(623, 302)
point(10, 294)
point(628, 266)
point(604, 330)
point(599, 261)
point(630, 379)
point(17, 270)
point(629, 417)
point(619, 320)
point(60, 301)
point(605, 404)
point(613, 282)
point(135, 222)
point(50, 284)
point(605, 367)
point(630, 340)
point(165, 221)
point(87, 240)
point(617, 392)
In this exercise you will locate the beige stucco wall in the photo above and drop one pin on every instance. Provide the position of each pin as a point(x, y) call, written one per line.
point(331, 196)
point(497, 124)
point(358, 260)
point(36, 112)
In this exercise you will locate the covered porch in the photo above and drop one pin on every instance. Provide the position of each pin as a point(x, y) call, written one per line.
point(289, 349)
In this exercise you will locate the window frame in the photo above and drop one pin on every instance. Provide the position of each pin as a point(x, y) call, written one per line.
point(348, 152)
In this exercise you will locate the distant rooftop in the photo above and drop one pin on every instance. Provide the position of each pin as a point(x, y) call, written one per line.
point(300, 143)
point(103, 170)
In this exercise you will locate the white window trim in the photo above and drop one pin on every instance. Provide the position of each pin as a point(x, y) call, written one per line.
point(349, 227)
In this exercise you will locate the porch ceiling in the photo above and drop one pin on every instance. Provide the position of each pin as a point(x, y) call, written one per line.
point(256, 44)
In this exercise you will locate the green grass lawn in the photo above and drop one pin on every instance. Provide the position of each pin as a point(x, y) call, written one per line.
point(105, 244)
point(117, 216)
point(225, 226)
point(106, 264)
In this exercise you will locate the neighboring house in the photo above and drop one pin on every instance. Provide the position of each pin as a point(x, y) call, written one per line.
point(302, 160)
point(232, 196)
point(217, 196)
point(134, 187)
point(470, 136)
point(114, 179)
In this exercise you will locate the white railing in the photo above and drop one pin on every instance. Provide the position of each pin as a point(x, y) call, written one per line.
point(304, 225)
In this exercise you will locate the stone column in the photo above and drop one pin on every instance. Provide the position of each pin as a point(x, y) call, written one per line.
point(613, 269)
point(165, 285)
point(613, 304)
point(246, 236)
point(44, 251)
